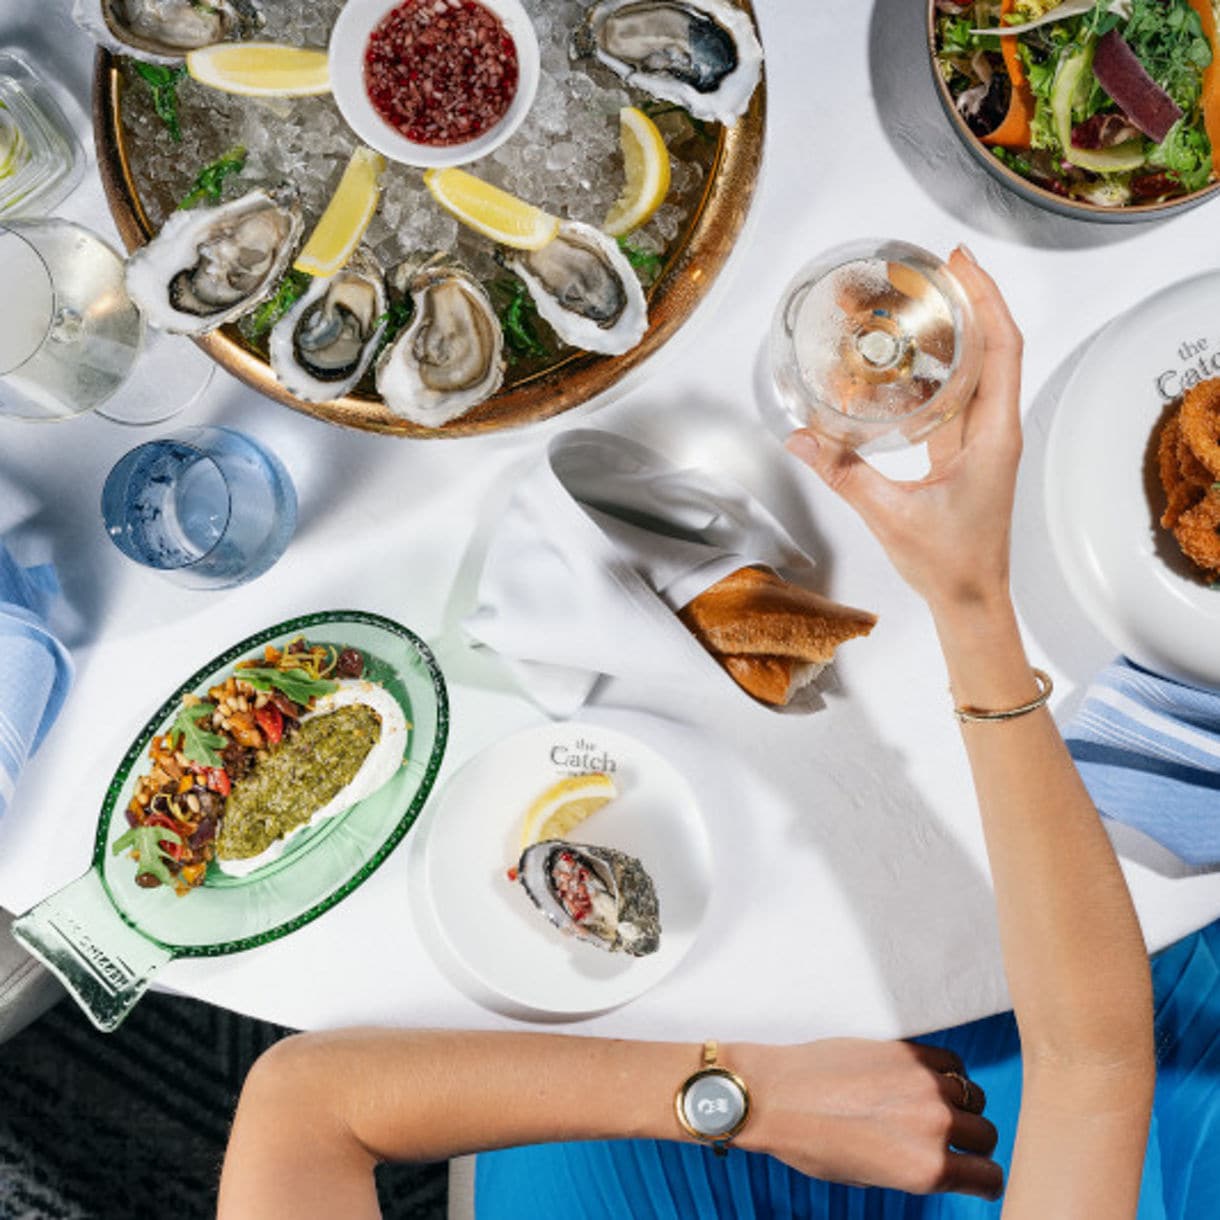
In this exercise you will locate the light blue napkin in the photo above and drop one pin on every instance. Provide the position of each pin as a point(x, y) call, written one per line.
point(35, 668)
point(1148, 749)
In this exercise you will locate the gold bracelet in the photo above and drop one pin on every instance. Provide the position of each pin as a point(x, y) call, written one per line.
point(1045, 686)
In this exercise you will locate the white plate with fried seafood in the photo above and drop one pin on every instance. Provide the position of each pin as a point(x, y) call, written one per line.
point(1104, 497)
point(482, 927)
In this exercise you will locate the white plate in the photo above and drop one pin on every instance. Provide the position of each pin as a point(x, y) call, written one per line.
point(1103, 496)
point(483, 928)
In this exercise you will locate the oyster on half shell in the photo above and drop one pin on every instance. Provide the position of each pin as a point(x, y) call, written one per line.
point(450, 357)
point(595, 894)
point(321, 347)
point(585, 288)
point(211, 265)
point(702, 55)
point(165, 30)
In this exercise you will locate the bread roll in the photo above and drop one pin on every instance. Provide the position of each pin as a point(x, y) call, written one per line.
point(771, 636)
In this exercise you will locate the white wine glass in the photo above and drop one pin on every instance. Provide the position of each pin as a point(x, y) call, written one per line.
point(874, 344)
point(72, 340)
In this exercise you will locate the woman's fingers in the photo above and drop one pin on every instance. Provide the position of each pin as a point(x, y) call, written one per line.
point(971, 1133)
point(965, 1173)
point(961, 1092)
point(841, 470)
point(996, 405)
point(937, 1057)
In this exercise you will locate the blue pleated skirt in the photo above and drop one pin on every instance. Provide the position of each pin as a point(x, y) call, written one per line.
point(659, 1180)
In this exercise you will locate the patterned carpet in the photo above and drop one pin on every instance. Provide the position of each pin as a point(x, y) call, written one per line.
point(92, 1129)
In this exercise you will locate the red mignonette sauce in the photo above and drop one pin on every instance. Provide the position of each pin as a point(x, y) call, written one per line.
point(441, 72)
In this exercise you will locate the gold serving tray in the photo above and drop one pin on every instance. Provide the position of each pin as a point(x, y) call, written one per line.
point(689, 272)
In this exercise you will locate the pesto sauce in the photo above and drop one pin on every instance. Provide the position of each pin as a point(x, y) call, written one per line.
point(296, 780)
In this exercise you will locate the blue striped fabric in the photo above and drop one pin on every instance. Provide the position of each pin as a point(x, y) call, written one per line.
point(1148, 749)
point(642, 1180)
point(35, 669)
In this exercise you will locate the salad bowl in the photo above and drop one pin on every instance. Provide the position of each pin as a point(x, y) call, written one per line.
point(105, 934)
point(1115, 187)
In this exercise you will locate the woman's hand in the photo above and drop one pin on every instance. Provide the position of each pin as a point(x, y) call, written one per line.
point(894, 1114)
point(948, 533)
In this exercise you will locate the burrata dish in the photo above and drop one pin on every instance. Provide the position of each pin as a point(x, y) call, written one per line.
point(292, 738)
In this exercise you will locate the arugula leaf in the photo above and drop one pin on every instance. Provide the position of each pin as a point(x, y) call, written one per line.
point(290, 290)
point(146, 841)
point(298, 686)
point(641, 260)
point(518, 316)
point(199, 744)
point(163, 82)
point(211, 179)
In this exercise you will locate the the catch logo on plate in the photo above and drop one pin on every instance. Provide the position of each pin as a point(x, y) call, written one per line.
point(576, 757)
point(1196, 360)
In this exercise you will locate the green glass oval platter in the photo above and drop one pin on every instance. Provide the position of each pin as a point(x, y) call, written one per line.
point(104, 936)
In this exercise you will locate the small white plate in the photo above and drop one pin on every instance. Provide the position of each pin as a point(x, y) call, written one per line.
point(1103, 495)
point(483, 928)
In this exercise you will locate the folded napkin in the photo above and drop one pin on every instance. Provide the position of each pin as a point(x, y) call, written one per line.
point(35, 669)
point(600, 546)
point(1148, 749)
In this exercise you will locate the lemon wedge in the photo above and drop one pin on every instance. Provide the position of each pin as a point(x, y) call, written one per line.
point(347, 215)
point(260, 69)
point(490, 211)
point(564, 805)
point(646, 160)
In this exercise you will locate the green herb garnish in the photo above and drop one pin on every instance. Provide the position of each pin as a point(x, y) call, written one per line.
point(642, 260)
point(1168, 39)
point(518, 318)
point(163, 83)
point(394, 319)
point(298, 686)
point(290, 290)
point(211, 179)
point(146, 841)
point(199, 744)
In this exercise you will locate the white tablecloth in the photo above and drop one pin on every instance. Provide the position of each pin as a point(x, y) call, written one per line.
point(852, 892)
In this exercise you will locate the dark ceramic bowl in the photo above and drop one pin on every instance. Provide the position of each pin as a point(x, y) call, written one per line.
point(1079, 209)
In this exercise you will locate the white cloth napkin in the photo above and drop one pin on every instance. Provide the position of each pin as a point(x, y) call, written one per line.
point(600, 544)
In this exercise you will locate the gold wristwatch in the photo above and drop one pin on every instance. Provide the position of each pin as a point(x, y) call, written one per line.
point(712, 1104)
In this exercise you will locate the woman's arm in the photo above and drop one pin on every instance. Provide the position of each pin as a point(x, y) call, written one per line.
point(319, 1111)
point(1073, 952)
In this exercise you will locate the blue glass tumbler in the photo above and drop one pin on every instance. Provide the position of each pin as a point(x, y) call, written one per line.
point(208, 507)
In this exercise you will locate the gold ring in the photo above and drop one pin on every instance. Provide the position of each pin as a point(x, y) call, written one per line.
point(967, 1089)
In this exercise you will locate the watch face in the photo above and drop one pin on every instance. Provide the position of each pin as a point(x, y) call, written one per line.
point(713, 1104)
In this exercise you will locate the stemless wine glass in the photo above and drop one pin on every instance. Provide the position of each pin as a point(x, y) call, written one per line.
point(71, 339)
point(875, 345)
point(207, 507)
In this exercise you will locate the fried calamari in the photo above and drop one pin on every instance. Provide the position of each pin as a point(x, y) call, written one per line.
point(1188, 461)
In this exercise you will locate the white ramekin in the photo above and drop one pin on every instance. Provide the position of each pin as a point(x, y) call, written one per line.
point(348, 41)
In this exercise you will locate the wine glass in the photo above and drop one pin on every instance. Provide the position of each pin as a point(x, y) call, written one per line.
point(72, 340)
point(874, 344)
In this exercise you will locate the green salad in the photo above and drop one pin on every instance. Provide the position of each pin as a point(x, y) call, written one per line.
point(1114, 102)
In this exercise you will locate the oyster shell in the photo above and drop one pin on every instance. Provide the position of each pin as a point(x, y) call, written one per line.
point(596, 894)
point(209, 266)
point(585, 288)
point(321, 347)
point(450, 356)
point(702, 55)
point(164, 30)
